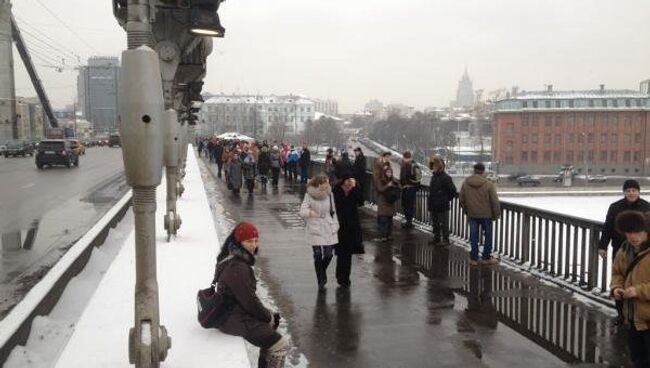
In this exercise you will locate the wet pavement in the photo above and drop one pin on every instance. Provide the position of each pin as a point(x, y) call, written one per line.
point(415, 304)
point(44, 212)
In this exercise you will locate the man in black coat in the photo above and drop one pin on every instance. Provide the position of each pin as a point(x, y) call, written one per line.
point(347, 197)
point(218, 156)
point(631, 202)
point(304, 162)
point(441, 191)
point(359, 168)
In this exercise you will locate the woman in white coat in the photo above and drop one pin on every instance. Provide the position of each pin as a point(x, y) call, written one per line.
point(319, 212)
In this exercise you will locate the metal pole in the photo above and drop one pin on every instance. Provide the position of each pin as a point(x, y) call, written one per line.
point(141, 129)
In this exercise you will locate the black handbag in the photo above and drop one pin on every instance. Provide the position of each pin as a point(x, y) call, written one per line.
point(213, 306)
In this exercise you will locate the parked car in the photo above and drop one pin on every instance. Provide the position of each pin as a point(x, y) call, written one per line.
point(53, 152)
point(3, 149)
point(114, 141)
point(596, 179)
point(558, 178)
point(19, 149)
point(514, 177)
point(78, 147)
point(528, 181)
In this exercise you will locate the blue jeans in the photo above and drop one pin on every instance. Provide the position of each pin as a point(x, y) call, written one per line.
point(486, 226)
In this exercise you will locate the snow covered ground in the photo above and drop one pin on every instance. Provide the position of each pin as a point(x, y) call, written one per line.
point(99, 338)
point(588, 207)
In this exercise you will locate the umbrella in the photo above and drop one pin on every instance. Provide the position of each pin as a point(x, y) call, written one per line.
point(235, 136)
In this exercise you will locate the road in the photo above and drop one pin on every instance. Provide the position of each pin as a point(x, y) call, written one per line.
point(43, 212)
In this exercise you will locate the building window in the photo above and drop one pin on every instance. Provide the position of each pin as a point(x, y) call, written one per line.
point(557, 103)
point(533, 156)
point(603, 156)
point(525, 104)
point(547, 157)
point(615, 103)
point(581, 138)
point(510, 129)
point(628, 103)
point(524, 156)
point(534, 104)
point(558, 121)
point(604, 103)
point(547, 138)
point(524, 138)
point(581, 156)
point(533, 138)
point(637, 138)
point(627, 156)
point(613, 138)
point(591, 103)
point(627, 138)
point(613, 156)
point(590, 138)
point(556, 157)
point(637, 156)
point(547, 104)
point(572, 138)
point(569, 156)
point(558, 139)
point(571, 103)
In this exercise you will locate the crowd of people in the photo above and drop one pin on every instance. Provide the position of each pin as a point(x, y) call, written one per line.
point(333, 228)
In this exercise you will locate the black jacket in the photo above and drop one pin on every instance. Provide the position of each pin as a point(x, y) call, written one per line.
point(350, 239)
point(305, 158)
point(359, 169)
point(609, 232)
point(263, 163)
point(441, 191)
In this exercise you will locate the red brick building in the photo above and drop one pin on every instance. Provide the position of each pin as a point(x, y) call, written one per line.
point(599, 131)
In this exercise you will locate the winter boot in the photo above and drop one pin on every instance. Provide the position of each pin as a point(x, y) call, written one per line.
point(276, 354)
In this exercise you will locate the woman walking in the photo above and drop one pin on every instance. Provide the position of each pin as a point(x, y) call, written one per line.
point(347, 198)
point(319, 212)
point(389, 192)
point(248, 317)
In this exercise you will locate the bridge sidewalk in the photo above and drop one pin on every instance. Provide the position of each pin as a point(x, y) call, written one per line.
point(184, 265)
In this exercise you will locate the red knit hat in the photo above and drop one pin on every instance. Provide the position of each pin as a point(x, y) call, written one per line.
point(245, 231)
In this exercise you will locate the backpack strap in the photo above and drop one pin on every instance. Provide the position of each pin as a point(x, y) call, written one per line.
point(331, 207)
point(635, 262)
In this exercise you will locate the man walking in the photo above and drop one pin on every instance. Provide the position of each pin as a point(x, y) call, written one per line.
point(409, 177)
point(218, 156)
point(478, 197)
point(631, 201)
point(304, 161)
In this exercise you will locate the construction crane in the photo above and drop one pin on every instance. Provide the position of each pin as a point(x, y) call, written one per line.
point(33, 75)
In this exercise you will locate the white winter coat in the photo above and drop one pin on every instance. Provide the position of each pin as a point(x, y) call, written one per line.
point(322, 227)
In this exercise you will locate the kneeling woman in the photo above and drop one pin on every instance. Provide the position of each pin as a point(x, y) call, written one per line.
point(248, 318)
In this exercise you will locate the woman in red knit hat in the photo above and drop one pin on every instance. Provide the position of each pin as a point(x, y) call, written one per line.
point(248, 318)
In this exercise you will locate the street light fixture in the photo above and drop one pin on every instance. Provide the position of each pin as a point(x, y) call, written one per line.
point(205, 22)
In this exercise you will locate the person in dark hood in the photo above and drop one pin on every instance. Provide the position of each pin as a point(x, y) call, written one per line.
point(248, 318)
point(478, 198)
point(347, 197)
point(441, 191)
point(630, 202)
point(235, 176)
point(410, 176)
point(264, 165)
point(343, 167)
point(276, 164)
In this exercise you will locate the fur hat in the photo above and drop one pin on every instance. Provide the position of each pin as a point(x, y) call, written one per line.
point(631, 222)
point(245, 231)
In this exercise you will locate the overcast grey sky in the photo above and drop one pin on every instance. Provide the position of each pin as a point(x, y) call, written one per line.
point(408, 51)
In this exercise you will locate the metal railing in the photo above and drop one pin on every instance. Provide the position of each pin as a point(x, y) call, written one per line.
point(557, 247)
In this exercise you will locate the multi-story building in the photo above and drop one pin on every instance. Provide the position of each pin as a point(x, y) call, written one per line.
point(256, 115)
point(30, 119)
point(327, 107)
point(597, 131)
point(465, 92)
point(97, 93)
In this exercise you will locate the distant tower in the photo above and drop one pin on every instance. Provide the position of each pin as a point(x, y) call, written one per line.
point(465, 92)
point(7, 84)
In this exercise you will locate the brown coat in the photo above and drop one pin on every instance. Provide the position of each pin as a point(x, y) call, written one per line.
point(478, 197)
point(384, 208)
point(640, 279)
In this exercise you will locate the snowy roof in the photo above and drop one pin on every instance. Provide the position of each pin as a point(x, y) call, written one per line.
point(590, 94)
point(258, 99)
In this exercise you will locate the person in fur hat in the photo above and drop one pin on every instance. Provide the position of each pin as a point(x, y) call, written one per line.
point(631, 282)
point(248, 318)
point(319, 212)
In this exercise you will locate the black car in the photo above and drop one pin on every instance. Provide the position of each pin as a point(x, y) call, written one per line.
point(528, 180)
point(19, 149)
point(114, 141)
point(53, 152)
point(514, 177)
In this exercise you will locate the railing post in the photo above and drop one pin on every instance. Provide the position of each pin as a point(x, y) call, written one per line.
point(525, 238)
point(592, 277)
